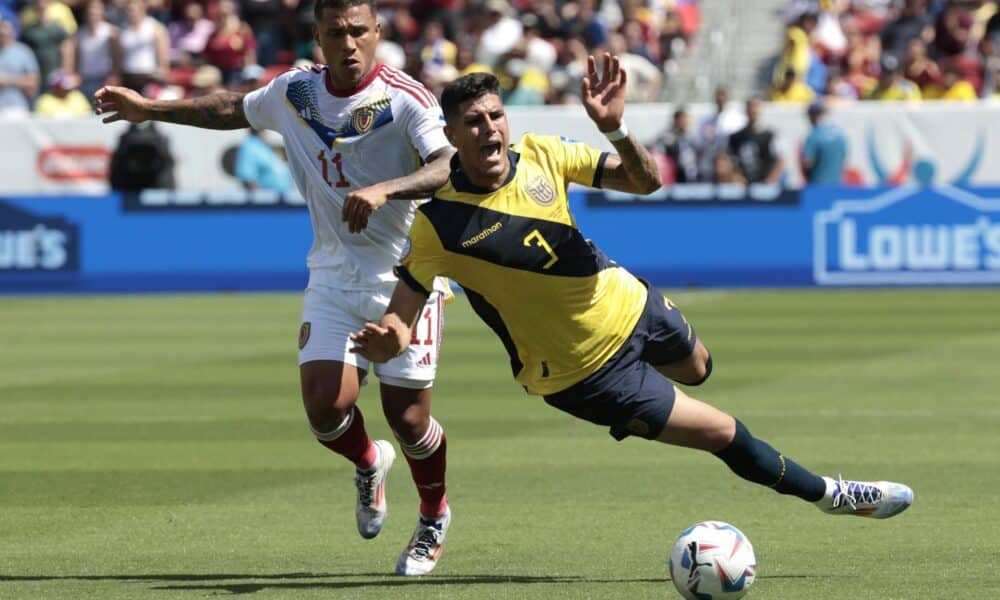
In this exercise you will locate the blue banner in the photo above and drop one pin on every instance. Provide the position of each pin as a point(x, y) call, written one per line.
point(937, 235)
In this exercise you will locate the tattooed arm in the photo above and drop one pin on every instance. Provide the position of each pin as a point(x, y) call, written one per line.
point(216, 111)
point(360, 204)
point(633, 168)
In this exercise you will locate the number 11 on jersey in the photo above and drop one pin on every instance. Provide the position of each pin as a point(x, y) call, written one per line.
point(337, 162)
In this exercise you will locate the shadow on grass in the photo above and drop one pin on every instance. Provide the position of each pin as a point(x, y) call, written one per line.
point(252, 583)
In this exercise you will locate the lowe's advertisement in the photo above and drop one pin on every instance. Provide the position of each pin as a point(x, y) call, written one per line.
point(752, 236)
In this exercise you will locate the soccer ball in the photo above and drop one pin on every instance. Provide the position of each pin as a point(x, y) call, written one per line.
point(712, 560)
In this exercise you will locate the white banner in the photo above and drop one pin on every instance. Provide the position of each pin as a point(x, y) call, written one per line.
point(888, 143)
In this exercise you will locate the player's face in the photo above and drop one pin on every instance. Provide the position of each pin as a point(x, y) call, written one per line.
point(479, 132)
point(348, 39)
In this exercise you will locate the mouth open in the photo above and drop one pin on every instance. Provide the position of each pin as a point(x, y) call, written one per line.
point(491, 152)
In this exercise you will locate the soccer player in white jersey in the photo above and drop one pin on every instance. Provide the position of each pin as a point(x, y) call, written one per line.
point(355, 134)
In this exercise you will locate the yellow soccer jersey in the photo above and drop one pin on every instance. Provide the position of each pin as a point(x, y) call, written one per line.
point(558, 304)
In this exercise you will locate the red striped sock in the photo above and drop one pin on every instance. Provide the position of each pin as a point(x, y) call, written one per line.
point(351, 441)
point(426, 458)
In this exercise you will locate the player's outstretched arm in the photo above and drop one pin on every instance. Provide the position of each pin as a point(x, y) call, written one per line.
point(360, 204)
point(215, 111)
point(633, 169)
point(391, 336)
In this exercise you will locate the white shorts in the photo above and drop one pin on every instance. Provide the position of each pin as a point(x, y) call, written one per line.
point(330, 316)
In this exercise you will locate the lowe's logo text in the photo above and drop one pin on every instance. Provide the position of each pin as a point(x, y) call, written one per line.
point(35, 243)
point(908, 236)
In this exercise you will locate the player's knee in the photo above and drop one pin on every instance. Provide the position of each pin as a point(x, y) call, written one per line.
point(326, 408)
point(409, 426)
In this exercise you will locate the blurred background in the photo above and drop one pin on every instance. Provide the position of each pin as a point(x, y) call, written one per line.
point(801, 142)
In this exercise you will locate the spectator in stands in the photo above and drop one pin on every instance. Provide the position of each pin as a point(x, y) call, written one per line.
point(502, 32)
point(44, 31)
point(681, 148)
point(264, 18)
point(536, 50)
point(142, 160)
point(446, 12)
point(436, 51)
point(919, 68)
point(725, 171)
point(233, 45)
point(258, 166)
point(714, 130)
point(891, 85)
point(792, 91)
point(645, 78)
point(838, 89)
point(145, 48)
point(18, 73)
point(913, 23)
point(824, 152)
point(63, 100)
point(207, 80)
point(953, 85)
point(190, 35)
point(754, 148)
point(527, 84)
point(953, 32)
point(50, 11)
point(93, 53)
point(581, 20)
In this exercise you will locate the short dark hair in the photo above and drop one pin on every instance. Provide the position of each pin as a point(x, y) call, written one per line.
point(342, 5)
point(465, 88)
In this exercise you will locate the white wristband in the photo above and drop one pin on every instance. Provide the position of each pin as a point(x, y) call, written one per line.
point(618, 134)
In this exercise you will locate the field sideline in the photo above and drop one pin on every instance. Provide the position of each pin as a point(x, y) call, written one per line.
point(155, 447)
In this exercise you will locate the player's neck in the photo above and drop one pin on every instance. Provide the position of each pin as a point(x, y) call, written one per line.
point(487, 181)
point(342, 86)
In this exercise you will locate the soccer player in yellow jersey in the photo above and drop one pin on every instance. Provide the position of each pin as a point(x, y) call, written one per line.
point(581, 331)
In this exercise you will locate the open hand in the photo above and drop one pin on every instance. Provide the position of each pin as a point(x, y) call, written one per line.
point(604, 96)
point(376, 343)
point(121, 104)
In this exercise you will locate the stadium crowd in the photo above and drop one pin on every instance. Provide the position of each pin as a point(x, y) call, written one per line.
point(844, 50)
point(55, 53)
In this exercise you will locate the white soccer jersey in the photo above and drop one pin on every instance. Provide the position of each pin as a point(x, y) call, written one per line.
point(337, 142)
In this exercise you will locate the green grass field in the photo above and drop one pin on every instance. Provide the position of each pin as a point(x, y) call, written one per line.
point(155, 447)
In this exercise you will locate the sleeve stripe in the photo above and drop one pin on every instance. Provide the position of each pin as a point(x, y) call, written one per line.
point(599, 171)
point(409, 280)
point(406, 78)
point(404, 82)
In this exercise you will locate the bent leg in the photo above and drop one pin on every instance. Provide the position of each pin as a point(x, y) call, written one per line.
point(694, 424)
point(422, 439)
point(692, 370)
point(329, 393)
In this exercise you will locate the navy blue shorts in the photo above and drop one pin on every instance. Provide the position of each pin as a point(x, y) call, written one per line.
point(627, 394)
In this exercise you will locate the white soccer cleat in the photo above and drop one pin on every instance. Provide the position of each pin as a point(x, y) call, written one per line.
point(424, 550)
point(372, 506)
point(874, 499)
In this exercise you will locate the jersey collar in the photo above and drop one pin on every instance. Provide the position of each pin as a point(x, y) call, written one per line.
point(461, 183)
point(361, 84)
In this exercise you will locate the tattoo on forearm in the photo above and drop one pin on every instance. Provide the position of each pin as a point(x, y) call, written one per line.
point(215, 111)
point(424, 181)
point(637, 167)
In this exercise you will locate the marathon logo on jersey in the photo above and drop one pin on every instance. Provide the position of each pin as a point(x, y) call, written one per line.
point(34, 244)
point(699, 194)
point(240, 200)
point(910, 236)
